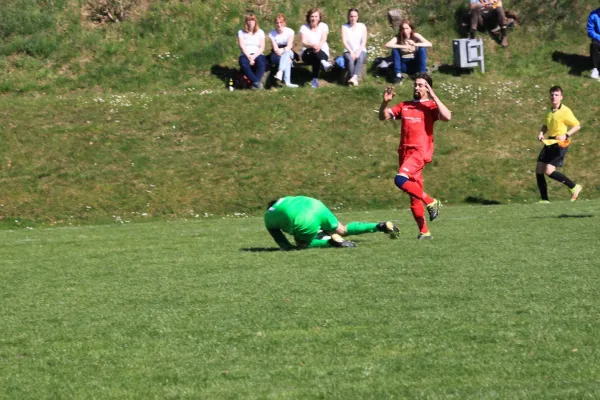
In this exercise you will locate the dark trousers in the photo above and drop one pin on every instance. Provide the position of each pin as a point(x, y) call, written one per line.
point(479, 14)
point(256, 71)
point(595, 53)
point(310, 57)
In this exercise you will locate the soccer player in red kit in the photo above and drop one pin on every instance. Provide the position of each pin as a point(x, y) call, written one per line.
point(416, 144)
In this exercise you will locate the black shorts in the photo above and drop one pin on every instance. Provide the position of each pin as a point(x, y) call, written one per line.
point(553, 155)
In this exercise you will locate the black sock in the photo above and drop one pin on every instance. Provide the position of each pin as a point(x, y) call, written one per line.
point(472, 34)
point(557, 176)
point(541, 182)
point(503, 31)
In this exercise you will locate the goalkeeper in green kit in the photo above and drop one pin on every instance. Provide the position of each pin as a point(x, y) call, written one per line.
point(304, 218)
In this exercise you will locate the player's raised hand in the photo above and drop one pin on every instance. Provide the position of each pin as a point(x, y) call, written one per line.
point(429, 89)
point(389, 93)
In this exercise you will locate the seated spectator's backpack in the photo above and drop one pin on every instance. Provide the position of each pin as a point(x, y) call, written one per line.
point(384, 66)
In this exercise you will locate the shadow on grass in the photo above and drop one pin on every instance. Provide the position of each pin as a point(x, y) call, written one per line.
point(260, 249)
point(301, 75)
point(567, 216)
point(576, 62)
point(224, 73)
point(449, 69)
point(271, 249)
point(575, 216)
point(481, 200)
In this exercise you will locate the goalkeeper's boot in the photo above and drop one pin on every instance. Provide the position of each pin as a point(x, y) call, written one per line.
point(424, 236)
point(575, 192)
point(338, 241)
point(433, 208)
point(389, 229)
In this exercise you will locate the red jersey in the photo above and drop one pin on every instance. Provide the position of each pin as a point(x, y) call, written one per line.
point(416, 131)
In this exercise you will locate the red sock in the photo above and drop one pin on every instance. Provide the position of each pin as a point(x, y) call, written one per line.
point(415, 190)
point(418, 211)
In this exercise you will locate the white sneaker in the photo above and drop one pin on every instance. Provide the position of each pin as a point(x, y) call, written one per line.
point(279, 75)
point(595, 74)
point(326, 65)
point(399, 79)
point(291, 85)
point(353, 81)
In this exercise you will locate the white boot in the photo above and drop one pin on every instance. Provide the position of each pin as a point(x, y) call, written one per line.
point(595, 74)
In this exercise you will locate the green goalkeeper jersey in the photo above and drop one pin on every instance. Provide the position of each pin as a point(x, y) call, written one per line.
point(300, 216)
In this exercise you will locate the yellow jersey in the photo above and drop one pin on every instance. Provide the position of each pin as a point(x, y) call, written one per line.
point(560, 121)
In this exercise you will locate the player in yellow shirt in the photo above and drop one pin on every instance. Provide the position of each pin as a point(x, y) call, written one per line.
point(560, 124)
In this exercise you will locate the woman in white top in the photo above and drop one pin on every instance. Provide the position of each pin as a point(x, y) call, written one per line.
point(282, 40)
point(408, 50)
point(251, 40)
point(315, 50)
point(354, 37)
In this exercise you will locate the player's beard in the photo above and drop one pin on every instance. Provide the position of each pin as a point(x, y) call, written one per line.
point(419, 96)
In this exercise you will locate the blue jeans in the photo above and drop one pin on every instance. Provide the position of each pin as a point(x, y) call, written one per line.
point(284, 63)
point(410, 65)
point(255, 72)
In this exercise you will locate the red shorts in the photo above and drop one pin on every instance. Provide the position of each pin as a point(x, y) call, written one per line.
point(411, 163)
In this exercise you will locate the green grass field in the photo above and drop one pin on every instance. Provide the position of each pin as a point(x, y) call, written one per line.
point(133, 259)
point(502, 303)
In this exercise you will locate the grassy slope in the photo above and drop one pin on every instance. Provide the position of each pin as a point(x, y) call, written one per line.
point(145, 135)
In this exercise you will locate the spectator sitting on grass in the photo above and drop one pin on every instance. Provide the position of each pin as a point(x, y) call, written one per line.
point(408, 50)
point(315, 50)
point(593, 30)
point(282, 39)
point(251, 40)
point(354, 37)
point(482, 11)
